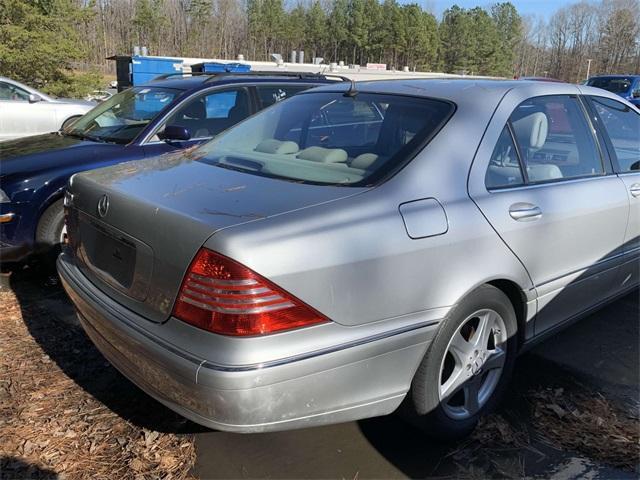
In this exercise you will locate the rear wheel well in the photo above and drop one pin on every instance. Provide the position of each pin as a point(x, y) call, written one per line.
point(518, 300)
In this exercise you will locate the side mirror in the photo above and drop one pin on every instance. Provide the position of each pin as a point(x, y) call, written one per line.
point(174, 133)
point(33, 98)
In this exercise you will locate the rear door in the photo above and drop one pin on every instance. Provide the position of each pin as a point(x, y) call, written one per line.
point(621, 125)
point(547, 189)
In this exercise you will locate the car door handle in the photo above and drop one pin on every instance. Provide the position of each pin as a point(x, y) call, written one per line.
point(524, 212)
point(635, 189)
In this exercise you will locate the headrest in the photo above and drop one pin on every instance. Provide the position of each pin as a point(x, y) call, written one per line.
point(543, 172)
point(323, 155)
point(364, 160)
point(196, 110)
point(532, 130)
point(277, 147)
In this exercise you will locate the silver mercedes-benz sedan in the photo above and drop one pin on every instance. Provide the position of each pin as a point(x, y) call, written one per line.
point(359, 249)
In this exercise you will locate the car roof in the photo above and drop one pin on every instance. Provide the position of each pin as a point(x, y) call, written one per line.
point(617, 75)
point(195, 82)
point(470, 91)
point(452, 89)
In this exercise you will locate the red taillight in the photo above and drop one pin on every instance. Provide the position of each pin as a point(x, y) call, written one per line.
point(222, 296)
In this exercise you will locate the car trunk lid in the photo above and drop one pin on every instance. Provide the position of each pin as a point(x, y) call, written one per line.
point(135, 227)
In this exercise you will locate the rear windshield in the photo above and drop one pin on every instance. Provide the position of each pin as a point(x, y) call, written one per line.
point(613, 84)
point(329, 138)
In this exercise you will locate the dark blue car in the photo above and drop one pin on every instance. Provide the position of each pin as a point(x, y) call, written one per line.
point(627, 86)
point(171, 113)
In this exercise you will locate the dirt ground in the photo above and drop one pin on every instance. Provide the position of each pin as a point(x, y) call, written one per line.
point(572, 412)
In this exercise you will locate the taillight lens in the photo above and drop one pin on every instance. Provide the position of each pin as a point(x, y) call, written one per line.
point(222, 296)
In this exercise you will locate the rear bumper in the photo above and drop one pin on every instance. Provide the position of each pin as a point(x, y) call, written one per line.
point(358, 381)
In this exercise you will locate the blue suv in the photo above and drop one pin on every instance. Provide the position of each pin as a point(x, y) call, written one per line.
point(627, 86)
point(173, 112)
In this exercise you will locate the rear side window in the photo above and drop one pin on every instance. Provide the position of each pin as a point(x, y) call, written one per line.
point(555, 140)
point(622, 125)
point(504, 166)
point(329, 138)
point(270, 94)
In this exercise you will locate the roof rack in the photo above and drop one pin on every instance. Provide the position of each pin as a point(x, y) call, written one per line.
point(214, 75)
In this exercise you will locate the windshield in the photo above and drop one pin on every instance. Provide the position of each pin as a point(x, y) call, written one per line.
point(329, 138)
point(122, 117)
point(616, 85)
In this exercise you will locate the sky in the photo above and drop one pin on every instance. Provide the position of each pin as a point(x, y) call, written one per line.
point(544, 8)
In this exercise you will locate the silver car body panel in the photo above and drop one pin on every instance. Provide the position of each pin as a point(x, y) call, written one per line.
point(288, 393)
point(385, 264)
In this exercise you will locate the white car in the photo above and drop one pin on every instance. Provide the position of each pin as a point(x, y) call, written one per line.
point(25, 111)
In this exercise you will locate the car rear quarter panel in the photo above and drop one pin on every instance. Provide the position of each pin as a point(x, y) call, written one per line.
point(353, 260)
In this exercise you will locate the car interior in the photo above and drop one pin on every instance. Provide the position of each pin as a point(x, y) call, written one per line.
point(346, 151)
point(554, 142)
point(203, 121)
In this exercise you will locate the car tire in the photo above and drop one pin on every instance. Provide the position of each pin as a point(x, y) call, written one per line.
point(50, 231)
point(69, 121)
point(448, 361)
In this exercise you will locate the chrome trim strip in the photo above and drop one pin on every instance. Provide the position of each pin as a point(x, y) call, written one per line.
point(319, 352)
point(548, 183)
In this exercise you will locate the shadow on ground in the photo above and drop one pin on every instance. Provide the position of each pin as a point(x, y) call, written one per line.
point(16, 469)
point(599, 354)
point(596, 356)
point(51, 321)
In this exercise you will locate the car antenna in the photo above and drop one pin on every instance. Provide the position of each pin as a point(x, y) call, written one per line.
point(352, 92)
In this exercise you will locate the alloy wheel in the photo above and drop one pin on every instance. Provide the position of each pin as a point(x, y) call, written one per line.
point(473, 364)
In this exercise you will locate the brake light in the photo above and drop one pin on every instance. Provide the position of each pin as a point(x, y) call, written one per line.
point(222, 296)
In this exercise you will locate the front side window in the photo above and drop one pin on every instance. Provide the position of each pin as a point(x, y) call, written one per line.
point(622, 125)
point(122, 117)
point(328, 138)
point(12, 92)
point(207, 115)
point(555, 140)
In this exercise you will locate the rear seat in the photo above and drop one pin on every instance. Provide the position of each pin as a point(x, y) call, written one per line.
point(323, 155)
point(364, 161)
point(277, 147)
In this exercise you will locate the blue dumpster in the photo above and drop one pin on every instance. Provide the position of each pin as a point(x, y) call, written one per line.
point(145, 69)
point(218, 67)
